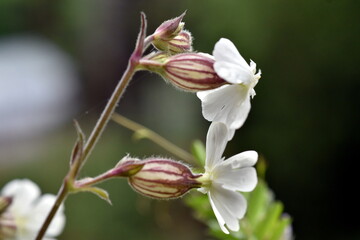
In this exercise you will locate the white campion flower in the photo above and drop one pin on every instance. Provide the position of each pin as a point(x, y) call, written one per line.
point(224, 178)
point(230, 103)
point(28, 210)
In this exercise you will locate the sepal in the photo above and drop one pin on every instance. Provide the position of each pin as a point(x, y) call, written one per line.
point(191, 72)
point(101, 193)
point(170, 28)
point(163, 179)
point(77, 151)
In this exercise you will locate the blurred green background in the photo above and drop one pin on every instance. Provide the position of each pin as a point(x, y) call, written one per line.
point(304, 119)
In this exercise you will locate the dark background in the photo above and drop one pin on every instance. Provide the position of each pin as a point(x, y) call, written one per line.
point(304, 119)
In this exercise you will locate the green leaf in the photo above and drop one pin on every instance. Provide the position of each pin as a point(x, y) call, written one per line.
point(199, 152)
point(265, 228)
point(97, 191)
point(261, 167)
point(201, 205)
point(257, 203)
point(279, 229)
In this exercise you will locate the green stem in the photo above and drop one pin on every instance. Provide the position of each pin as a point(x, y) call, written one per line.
point(94, 137)
point(153, 136)
point(63, 193)
point(67, 185)
point(108, 111)
point(91, 181)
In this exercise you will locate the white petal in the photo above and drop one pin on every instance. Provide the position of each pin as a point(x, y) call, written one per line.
point(253, 66)
point(239, 179)
point(40, 212)
point(228, 206)
point(216, 141)
point(229, 104)
point(225, 51)
point(231, 133)
point(24, 193)
point(244, 159)
point(240, 114)
point(232, 73)
point(218, 215)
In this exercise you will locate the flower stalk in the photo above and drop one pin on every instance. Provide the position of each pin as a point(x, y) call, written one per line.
point(141, 131)
point(67, 186)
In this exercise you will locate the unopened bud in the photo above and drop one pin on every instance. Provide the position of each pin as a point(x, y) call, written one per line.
point(163, 179)
point(171, 37)
point(182, 42)
point(188, 71)
point(170, 28)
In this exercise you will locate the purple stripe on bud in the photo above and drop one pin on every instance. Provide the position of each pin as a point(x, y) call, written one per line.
point(180, 43)
point(163, 179)
point(192, 72)
point(169, 28)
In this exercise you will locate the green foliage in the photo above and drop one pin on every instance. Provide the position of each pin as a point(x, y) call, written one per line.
point(101, 193)
point(264, 219)
point(198, 151)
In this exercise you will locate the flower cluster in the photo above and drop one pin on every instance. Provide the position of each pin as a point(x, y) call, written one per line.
point(23, 211)
point(224, 82)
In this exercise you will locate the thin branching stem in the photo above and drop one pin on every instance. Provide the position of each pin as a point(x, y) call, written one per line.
point(101, 124)
point(144, 132)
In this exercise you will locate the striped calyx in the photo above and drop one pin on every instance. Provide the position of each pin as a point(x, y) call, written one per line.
point(170, 36)
point(192, 72)
point(182, 42)
point(163, 179)
point(170, 28)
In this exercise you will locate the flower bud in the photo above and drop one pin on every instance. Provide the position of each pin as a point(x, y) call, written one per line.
point(188, 71)
point(163, 179)
point(180, 43)
point(170, 28)
point(171, 37)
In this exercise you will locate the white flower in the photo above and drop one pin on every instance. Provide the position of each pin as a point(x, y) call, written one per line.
point(223, 179)
point(28, 210)
point(230, 104)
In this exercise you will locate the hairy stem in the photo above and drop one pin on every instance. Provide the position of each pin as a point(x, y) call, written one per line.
point(67, 185)
point(63, 193)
